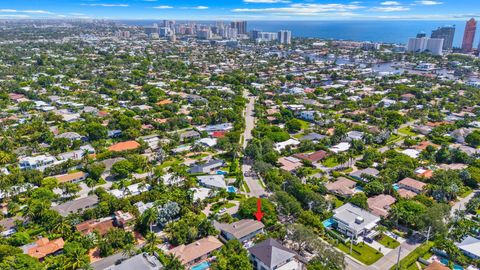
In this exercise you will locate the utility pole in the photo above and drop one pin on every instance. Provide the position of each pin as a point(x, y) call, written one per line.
point(398, 258)
point(351, 243)
point(428, 233)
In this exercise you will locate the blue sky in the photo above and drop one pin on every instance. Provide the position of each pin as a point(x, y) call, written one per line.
point(242, 9)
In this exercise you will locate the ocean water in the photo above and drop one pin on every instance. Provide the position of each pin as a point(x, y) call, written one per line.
point(377, 31)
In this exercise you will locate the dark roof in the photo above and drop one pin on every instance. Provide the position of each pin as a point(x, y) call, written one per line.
point(271, 252)
point(76, 205)
point(312, 137)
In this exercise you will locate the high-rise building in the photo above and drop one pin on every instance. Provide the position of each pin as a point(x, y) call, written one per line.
point(435, 46)
point(417, 44)
point(421, 35)
point(469, 36)
point(447, 33)
point(149, 30)
point(424, 44)
point(285, 37)
point(241, 27)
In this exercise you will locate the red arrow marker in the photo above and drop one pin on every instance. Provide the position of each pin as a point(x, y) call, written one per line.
point(259, 214)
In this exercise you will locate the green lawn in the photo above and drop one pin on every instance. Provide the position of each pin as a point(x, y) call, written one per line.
point(407, 131)
point(388, 241)
point(394, 138)
point(170, 162)
point(362, 252)
point(216, 207)
point(330, 162)
point(305, 124)
point(412, 257)
point(337, 202)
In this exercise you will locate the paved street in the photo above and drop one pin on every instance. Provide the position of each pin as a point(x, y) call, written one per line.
point(256, 189)
point(461, 204)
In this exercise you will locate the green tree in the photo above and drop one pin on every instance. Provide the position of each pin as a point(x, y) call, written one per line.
point(231, 256)
point(248, 208)
point(360, 200)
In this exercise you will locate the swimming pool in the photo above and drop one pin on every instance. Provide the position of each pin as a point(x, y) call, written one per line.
point(232, 189)
point(328, 223)
point(222, 172)
point(202, 266)
point(395, 186)
point(455, 266)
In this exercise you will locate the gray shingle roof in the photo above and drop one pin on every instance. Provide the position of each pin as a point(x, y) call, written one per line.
point(271, 252)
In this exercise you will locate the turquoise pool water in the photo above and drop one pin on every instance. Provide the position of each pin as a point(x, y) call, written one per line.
point(455, 266)
point(202, 266)
point(222, 172)
point(328, 223)
point(395, 186)
point(232, 189)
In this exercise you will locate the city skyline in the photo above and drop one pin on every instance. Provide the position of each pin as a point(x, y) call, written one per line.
point(241, 9)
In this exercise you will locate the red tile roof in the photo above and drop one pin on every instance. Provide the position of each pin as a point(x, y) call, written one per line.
point(44, 247)
point(124, 146)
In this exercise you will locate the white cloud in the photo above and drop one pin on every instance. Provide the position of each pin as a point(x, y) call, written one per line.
point(163, 7)
point(14, 16)
point(390, 3)
point(304, 9)
point(105, 5)
point(266, 1)
point(390, 9)
point(428, 3)
point(201, 7)
point(25, 11)
point(37, 12)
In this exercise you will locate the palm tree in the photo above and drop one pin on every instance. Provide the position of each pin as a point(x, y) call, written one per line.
point(150, 217)
point(63, 228)
point(129, 250)
point(90, 182)
point(173, 263)
point(151, 242)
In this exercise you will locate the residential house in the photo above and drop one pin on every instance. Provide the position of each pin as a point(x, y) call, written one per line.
point(197, 251)
point(308, 115)
point(209, 166)
point(215, 181)
point(189, 135)
point(282, 145)
point(460, 134)
point(132, 190)
point(76, 206)
point(271, 255)
point(341, 147)
point(408, 187)
point(72, 136)
point(44, 247)
point(314, 137)
point(354, 221)
point(40, 162)
point(314, 157)
point(380, 205)
point(422, 129)
point(343, 187)
point(124, 146)
point(470, 246)
point(142, 261)
point(354, 136)
point(289, 164)
point(243, 230)
point(365, 174)
point(101, 226)
point(71, 177)
point(435, 265)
